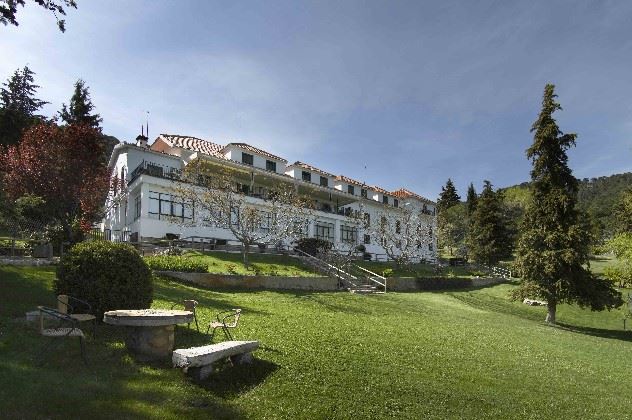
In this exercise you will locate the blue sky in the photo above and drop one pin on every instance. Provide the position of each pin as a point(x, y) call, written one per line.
point(392, 93)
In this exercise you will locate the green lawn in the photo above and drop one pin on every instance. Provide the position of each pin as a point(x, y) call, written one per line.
point(415, 270)
point(598, 263)
point(260, 264)
point(466, 354)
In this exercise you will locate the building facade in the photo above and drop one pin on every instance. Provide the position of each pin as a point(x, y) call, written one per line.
point(148, 210)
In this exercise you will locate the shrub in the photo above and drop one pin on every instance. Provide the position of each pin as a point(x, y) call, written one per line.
point(313, 246)
point(171, 251)
point(107, 275)
point(176, 263)
point(387, 272)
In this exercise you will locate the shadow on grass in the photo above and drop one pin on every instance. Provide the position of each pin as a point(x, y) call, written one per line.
point(232, 381)
point(597, 332)
point(349, 306)
point(176, 291)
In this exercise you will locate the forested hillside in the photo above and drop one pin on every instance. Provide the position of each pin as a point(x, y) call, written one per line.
point(597, 196)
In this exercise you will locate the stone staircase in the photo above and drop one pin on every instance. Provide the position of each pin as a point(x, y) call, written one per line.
point(352, 278)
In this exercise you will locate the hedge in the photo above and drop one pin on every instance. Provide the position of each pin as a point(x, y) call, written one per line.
point(176, 263)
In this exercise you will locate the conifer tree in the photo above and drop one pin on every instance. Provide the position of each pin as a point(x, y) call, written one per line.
point(79, 111)
point(448, 197)
point(472, 199)
point(488, 240)
point(18, 105)
point(554, 241)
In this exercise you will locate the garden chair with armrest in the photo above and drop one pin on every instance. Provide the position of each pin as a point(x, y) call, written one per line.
point(225, 321)
point(69, 305)
point(189, 305)
point(67, 326)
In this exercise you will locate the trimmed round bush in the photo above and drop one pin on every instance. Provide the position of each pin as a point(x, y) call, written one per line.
point(107, 275)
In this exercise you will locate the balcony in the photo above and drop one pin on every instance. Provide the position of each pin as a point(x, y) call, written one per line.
point(156, 170)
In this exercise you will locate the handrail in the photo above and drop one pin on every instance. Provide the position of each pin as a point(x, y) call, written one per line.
point(372, 274)
point(340, 272)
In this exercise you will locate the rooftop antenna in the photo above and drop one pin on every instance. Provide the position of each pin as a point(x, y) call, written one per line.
point(147, 124)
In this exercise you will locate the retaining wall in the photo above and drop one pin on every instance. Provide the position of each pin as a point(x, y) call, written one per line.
point(221, 281)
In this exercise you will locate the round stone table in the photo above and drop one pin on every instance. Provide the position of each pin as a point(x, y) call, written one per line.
point(152, 330)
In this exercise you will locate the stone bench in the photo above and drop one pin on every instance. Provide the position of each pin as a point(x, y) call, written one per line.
point(198, 361)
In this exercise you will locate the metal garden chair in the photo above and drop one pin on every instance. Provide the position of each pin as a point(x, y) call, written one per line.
point(69, 305)
point(190, 305)
point(225, 320)
point(66, 326)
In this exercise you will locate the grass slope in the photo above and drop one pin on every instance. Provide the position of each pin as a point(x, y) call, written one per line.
point(467, 354)
point(260, 264)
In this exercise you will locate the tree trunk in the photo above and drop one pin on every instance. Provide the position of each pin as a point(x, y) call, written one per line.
point(550, 315)
point(244, 250)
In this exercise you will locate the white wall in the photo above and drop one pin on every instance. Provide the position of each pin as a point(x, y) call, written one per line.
point(234, 153)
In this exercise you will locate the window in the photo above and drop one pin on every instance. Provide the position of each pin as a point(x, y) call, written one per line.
point(270, 165)
point(325, 231)
point(324, 181)
point(234, 216)
point(396, 202)
point(247, 158)
point(385, 199)
point(367, 220)
point(363, 192)
point(163, 206)
point(350, 189)
point(243, 189)
point(301, 228)
point(266, 222)
point(348, 234)
point(137, 207)
point(306, 176)
point(367, 239)
point(430, 247)
point(398, 227)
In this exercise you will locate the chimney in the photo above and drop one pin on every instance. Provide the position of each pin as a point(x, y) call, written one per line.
point(141, 139)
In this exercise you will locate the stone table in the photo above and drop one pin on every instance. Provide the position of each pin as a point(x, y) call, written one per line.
point(152, 330)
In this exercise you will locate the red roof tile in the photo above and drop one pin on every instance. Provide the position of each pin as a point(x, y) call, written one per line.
point(194, 144)
point(255, 150)
point(311, 168)
point(404, 193)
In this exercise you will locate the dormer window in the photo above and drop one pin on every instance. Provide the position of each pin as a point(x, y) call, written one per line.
point(396, 202)
point(271, 165)
point(363, 193)
point(350, 189)
point(324, 181)
point(306, 176)
point(247, 159)
point(385, 199)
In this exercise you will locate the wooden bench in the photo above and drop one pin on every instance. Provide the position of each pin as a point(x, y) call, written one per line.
point(198, 361)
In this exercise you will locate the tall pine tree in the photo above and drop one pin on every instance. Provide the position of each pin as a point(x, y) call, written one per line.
point(448, 197)
point(487, 239)
point(472, 199)
point(18, 105)
point(79, 111)
point(554, 241)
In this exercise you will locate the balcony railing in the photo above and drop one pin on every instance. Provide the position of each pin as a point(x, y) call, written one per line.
point(155, 169)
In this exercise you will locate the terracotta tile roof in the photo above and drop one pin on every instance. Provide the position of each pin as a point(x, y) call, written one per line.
point(404, 193)
point(194, 144)
point(255, 150)
point(349, 180)
point(311, 168)
point(380, 190)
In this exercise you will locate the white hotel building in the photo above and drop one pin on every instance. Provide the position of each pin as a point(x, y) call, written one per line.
point(150, 171)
